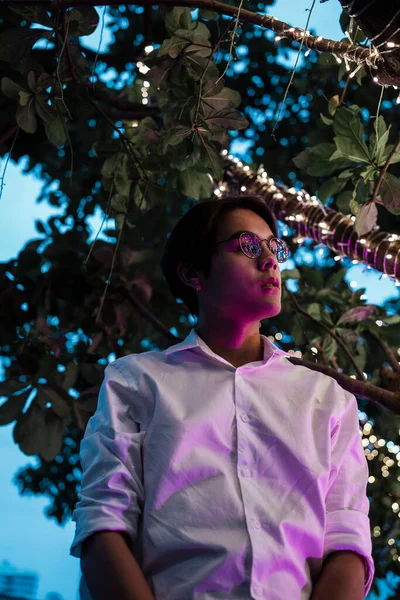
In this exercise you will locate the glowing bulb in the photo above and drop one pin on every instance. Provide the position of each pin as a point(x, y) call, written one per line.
point(389, 256)
point(379, 323)
point(224, 152)
point(390, 45)
point(243, 188)
point(144, 101)
point(148, 49)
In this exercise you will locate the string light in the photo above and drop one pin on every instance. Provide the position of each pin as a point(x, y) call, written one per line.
point(311, 219)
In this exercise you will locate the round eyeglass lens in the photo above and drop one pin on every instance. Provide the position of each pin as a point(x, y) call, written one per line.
point(250, 246)
point(280, 249)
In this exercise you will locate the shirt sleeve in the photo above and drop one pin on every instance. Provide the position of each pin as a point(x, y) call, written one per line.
point(112, 493)
point(347, 504)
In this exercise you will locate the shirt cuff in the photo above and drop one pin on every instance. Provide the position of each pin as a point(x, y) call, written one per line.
point(348, 529)
point(97, 522)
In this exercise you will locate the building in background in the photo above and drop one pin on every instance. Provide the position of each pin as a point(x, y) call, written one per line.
point(17, 585)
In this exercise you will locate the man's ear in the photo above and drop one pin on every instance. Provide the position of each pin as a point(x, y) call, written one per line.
point(188, 274)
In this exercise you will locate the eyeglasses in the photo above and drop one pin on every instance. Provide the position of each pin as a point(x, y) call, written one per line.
point(250, 245)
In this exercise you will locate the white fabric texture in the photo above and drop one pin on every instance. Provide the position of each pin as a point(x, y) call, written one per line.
point(231, 483)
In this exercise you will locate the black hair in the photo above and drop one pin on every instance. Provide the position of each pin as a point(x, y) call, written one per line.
point(192, 240)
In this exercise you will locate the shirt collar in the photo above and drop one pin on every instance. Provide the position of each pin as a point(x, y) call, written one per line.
point(193, 341)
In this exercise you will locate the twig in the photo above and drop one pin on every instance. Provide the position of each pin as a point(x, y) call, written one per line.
point(283, 103)
point(145, 312)
point(9, 133)
point(361, 389)
point(7, 161)
point(384, 170)
point(331, 333)
point(391, 358)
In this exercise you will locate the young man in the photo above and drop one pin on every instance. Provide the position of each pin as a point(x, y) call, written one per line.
point(216, 469)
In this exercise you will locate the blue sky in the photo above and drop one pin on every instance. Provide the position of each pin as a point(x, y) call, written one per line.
point(29, 540)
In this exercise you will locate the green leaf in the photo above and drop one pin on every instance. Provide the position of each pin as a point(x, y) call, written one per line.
point(315, 311)
point(214, 161)
point(26, 118)
point(392, 320)
point(203, 49)
point(199, 32)
point(219, 97)
point(356, 314)
point(379, 140)
point(172, 47)
point(333, 105)
point(330, 188)
point(13, 407)
point(361, 193)
point(35, 14)
point(317, 161)
point(290, 274)
point(110, 165)
point(343, 202)
point(194, 184)
point(32, 81)
point(16, 43)
point(45, 111)
point(228, 118)
point(10, 88)
point(199, 66)
point(349, 149)
point(325, 119)
point(25, 98)
point(55, 130)
point(58, 402)
point(387, 152)
point(29, 431)
point(329, 346)
point(390, 193)
point(82, 20)
point(367, 218)
point(354, 207)
point(208, 14)
point(326, 59)
point(335, 279)
point(178, 17)
point(347, 124)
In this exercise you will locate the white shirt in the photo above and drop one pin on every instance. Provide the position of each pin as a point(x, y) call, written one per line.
point(231, 483)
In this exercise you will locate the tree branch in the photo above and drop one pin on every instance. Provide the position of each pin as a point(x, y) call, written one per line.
point(353, 53)
point(392, 360)
point(332, 333)
point(361, 389)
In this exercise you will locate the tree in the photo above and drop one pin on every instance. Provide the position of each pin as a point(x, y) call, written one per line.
point(143, 131)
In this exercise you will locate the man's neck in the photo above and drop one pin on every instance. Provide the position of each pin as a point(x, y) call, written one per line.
point(250, 351)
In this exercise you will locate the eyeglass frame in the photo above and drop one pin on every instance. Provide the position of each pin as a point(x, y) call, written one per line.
point(268, 240)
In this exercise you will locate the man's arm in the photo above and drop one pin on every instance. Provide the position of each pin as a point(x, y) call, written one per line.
point(342, 576)
point(110, 569)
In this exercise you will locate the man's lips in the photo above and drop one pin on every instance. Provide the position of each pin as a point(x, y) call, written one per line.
point(271, 281)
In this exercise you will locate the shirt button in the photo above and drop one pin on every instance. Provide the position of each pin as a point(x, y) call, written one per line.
point(247, 473)
point(257, 524)
point(244, 417)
